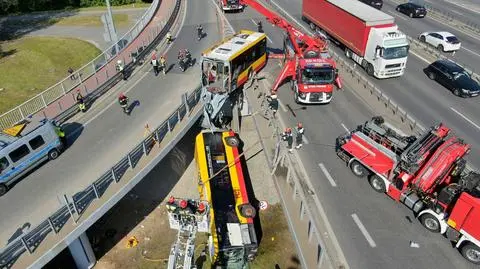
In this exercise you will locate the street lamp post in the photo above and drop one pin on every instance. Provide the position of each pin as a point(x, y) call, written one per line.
point(111, 28)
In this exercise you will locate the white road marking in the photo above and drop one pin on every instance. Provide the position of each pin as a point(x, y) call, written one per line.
point(456, 12)
point(420, 57)
point(465, 118)
point(364, 231)
point(396, 15)
point(471, 51)
point(291, 17)
point(284, 108)
point(327, 175)
point(132, 86)
point(344, 127)
point(268, 38)
point(305, 140)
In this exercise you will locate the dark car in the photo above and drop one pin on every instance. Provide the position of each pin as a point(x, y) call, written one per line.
point(378, 4)
point(453, 77)
point(412, 10)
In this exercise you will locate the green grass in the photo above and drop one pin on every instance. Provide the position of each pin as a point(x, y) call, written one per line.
point(35, 63)
point(136, 5)
point(120, 20)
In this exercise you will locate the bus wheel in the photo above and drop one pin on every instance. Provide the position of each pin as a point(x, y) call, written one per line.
point(247, 211)
point(53, 154)
point(232, 141)
point(3, 189)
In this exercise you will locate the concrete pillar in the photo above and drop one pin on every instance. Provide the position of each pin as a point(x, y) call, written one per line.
point(82, 252)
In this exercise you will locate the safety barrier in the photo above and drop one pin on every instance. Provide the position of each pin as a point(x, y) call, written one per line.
point(101, 70)
point(76, 205)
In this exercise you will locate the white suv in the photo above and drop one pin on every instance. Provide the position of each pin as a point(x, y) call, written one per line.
point(443, 41)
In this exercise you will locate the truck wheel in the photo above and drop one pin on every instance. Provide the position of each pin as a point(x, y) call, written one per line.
point(53, 154)
point(364, 64)
point(312, 26)
point(295, 96)
point(370, 69)
point(3, 189)
point(358, 169)
point(430, 222)
point(471, 252)
point(377, 184)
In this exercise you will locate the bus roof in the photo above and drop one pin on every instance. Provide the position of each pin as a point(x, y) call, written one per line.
point(232, 45)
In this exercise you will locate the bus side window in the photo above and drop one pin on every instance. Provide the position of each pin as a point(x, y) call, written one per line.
point(36, 142)
point(3, 164)
point(19, 153)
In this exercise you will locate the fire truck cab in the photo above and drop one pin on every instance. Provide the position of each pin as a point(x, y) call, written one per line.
point(231, 5)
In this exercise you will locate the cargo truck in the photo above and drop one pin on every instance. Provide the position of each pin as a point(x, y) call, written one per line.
point(369, 36)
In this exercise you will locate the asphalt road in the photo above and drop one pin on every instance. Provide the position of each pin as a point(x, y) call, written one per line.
point(469, 53)
point(108, 134)
point(463, 10)
point(348, 201)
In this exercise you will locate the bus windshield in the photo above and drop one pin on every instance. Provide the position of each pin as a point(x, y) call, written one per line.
point(318, 76)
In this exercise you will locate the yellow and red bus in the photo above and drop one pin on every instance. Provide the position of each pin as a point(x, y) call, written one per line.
point(228, 64)
point(221, 182)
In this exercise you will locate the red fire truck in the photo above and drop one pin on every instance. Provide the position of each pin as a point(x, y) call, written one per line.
point(427, 173)
point(307, 62)
point(231, 5)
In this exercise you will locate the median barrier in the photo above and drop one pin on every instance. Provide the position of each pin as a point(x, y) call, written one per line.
point(85, 207)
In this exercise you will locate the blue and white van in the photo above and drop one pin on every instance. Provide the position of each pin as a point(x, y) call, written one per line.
point(19, 154)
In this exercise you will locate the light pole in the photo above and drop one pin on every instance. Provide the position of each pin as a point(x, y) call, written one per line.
point(111, 27)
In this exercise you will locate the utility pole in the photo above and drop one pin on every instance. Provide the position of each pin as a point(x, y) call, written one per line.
point(110, 34)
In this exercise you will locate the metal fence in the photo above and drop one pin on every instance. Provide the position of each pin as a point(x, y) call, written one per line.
point(90, 76)
point(76, 205)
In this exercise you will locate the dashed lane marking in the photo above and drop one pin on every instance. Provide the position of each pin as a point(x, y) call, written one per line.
point(364, 231)
point(327, 174)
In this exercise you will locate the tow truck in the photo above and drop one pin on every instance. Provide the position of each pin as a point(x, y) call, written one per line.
point(428, 173)
point(307, 62)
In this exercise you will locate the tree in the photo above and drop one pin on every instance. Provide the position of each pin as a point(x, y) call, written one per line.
point(8, 6)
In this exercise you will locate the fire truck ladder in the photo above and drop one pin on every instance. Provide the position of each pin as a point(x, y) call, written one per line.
point(182, 251)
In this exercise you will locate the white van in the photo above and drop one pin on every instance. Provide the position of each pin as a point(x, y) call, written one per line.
point(19, 154)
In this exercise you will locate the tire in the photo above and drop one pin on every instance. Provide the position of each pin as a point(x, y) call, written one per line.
point(248, 211)
point(3, 189)
point(422, 38)
point(431, 75)
point(441, 48)
point(397, 9)
point(430, 223)
point(312, 26)
point(232, 141)
point(295, 96)
point(364, 64)
point(53, 154)
point(358, 169)
point(370, 70)
point(456, 92)
point(471, 252)
point(410, 15)
point(377, 184)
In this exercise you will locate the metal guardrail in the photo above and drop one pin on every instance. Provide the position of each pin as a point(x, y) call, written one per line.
point(76, 205)
point(97, 67)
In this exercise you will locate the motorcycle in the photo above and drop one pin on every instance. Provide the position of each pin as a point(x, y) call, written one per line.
point(185, 62)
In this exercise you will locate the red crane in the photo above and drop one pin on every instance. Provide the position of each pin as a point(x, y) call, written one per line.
point(318, 73)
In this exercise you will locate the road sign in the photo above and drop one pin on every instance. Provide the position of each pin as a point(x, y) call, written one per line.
point(263, 205)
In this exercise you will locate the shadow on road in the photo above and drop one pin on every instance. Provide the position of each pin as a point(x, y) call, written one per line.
point(73, 130)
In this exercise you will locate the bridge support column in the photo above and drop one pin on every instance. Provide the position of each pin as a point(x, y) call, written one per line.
point(82, 252)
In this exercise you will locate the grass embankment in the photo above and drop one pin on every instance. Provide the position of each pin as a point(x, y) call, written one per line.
point(35, 63)
point(120, 20)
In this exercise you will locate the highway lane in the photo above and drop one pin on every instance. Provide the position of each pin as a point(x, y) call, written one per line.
point(110, 134)
point(463, 10)
point(469, 53)
point(385, 222)
point(427, 100)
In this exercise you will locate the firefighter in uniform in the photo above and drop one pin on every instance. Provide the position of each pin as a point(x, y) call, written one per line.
point(171, 205)
point(287, 136)
point(273, 104)
point(299, 131)
point(80, 101)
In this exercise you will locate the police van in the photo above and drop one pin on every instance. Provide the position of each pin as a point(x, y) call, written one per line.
point(26, 147)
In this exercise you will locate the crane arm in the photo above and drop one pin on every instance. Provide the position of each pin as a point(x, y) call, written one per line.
point(309, 43)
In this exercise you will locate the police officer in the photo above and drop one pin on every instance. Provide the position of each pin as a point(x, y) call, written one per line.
point(80, 101)
point(61, 134)
point(287, 136)
point(299, 131)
